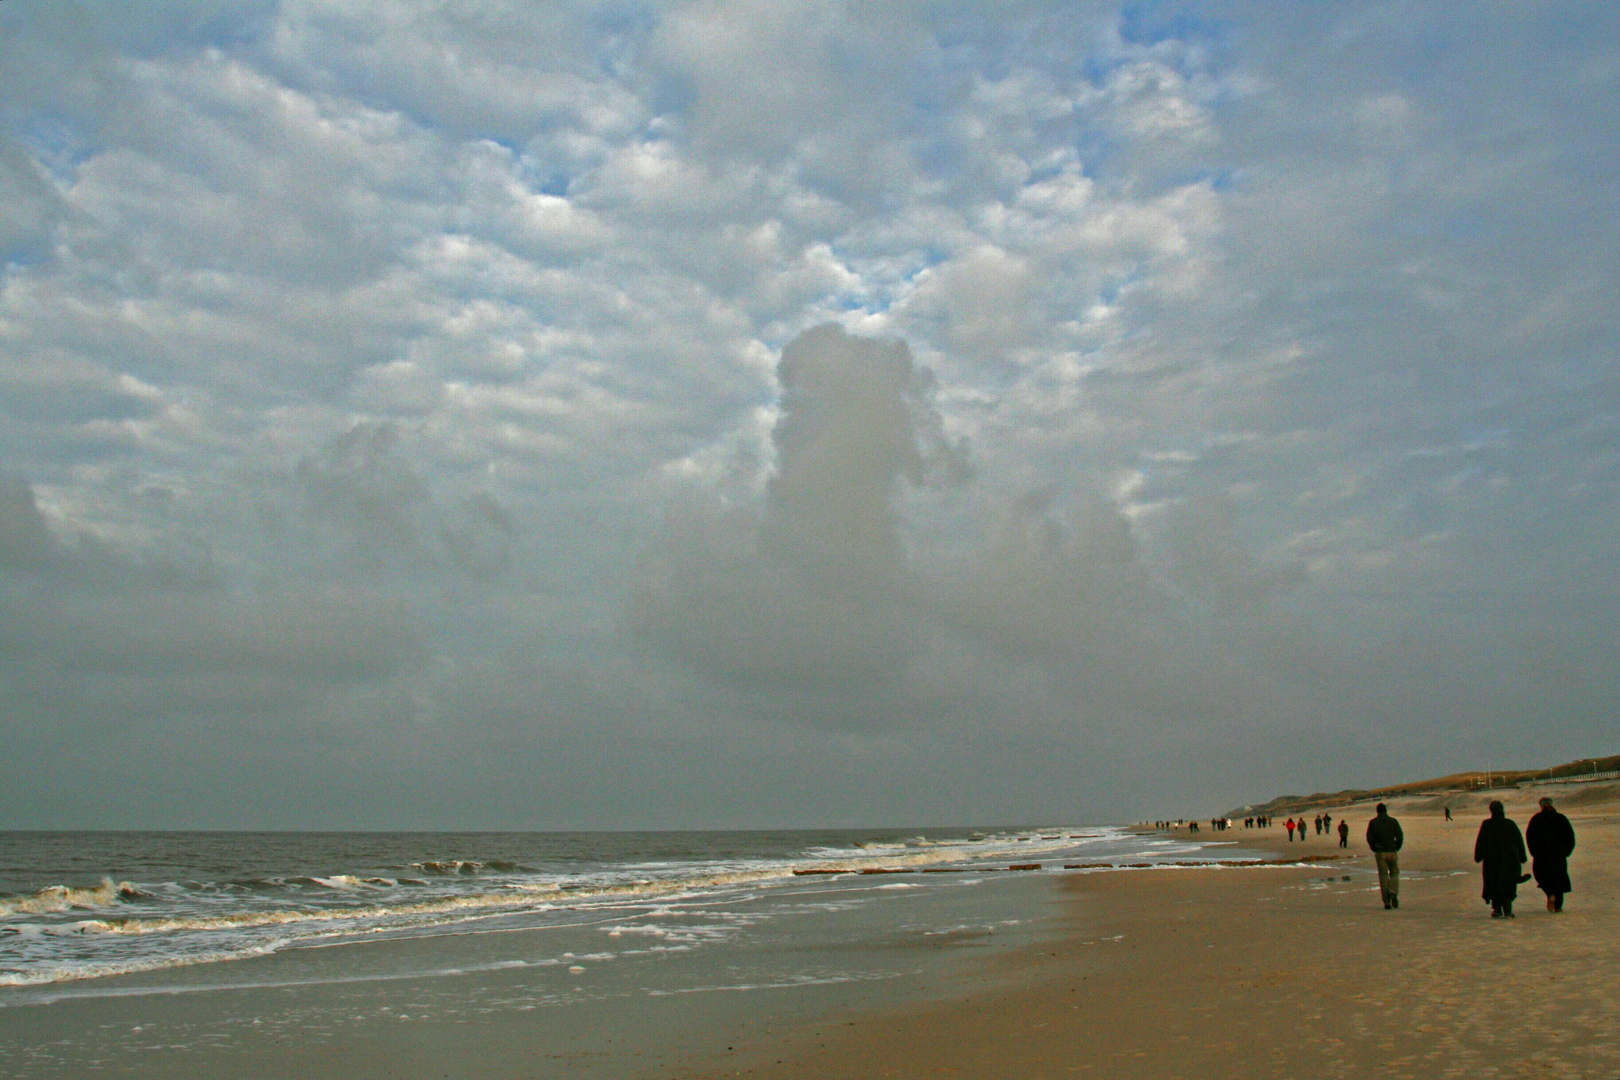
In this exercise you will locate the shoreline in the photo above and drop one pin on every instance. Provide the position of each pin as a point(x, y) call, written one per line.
point(1271, 971)
point(1278, 961)
point(630, 989)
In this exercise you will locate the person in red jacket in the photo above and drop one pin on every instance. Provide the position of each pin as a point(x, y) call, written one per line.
point(1289, 825)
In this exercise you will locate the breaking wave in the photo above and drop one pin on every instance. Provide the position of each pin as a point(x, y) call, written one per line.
point(58, 898)
point(63, 933)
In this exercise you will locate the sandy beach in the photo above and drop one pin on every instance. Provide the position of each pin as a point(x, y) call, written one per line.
point(1283, 964)
point(1273, 971)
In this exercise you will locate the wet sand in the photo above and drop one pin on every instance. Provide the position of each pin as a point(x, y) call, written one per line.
point(1282, 972)
point(452, 1005)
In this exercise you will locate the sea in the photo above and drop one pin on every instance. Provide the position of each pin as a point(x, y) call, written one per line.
point(603, 953)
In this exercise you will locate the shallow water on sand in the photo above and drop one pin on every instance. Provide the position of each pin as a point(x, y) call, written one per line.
point(556, 954)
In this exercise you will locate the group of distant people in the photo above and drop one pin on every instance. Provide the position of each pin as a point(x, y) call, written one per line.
point(1322, 824)
point(1217, 824)
point(1499, 848)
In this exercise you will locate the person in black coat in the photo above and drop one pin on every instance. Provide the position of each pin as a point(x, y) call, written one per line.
point(1501, 849)
point(1385, 838)
point(1551, 839)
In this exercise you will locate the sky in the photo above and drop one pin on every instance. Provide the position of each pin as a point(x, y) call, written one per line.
point(774, 413)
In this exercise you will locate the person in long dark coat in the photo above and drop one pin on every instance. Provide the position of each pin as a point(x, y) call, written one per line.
point(1551, 839)
point(1501, 849)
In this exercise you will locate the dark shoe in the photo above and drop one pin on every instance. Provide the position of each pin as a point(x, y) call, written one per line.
point(1496, 912)
point(1507, 911)
point(1395, 901)
point(1386, 905)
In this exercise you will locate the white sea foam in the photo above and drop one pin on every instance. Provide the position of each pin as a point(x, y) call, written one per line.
point(787, 984)
point(64, 933)
point(70, 970)
point(340, 881)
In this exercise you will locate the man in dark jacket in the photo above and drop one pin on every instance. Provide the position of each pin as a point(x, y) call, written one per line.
point(1500, 850)
point(1385, 838)
point(1550, 838)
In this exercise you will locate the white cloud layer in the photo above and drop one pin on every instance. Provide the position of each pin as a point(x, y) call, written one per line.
point(728, 413)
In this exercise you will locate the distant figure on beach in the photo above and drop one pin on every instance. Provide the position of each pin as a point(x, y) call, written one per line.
point(1327, 824)
point(1385, 838)
point(1550, 838)
point(1344, 834)
point(1289, 825)
point(1500, 850)
point(1448, 813)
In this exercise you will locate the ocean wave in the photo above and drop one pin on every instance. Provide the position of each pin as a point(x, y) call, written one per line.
point(511, 899)
point(72, 971)
point(58, 898)
point(130, 928)
point(449, 867)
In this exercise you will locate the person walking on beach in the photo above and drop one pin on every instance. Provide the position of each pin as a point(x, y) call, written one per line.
point(1344, 834)
point(1500, 850)
point(1385, 838)
point(1289, 825)
point(1551, 839)
point(1448, 813)
point(1327, 824)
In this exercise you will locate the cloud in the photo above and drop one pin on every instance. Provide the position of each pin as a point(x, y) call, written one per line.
point(812, 596)
point(823, 604)
point(25, 543)
point(97, 641)
point(456, 344)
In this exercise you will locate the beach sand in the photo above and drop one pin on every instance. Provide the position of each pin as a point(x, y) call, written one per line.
point(1285, 972)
